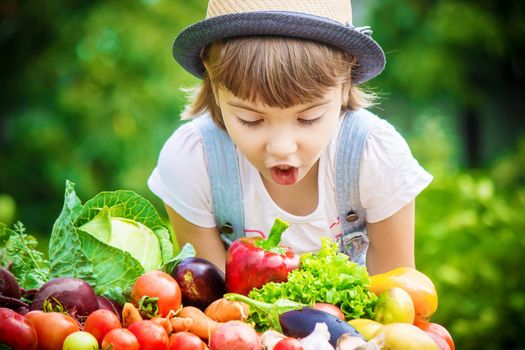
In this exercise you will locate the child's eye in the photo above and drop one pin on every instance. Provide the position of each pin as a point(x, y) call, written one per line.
point(250, 124)
point(309, 122)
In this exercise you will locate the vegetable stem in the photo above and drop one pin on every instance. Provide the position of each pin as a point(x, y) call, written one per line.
point(271, 310)
point(274, 238)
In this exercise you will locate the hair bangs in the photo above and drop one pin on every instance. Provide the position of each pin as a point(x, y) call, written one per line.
point(277, 72)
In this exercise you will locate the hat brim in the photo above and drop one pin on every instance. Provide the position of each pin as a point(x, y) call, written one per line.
point(189, 43)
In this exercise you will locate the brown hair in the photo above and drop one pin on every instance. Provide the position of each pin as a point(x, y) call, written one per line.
point(275, 71)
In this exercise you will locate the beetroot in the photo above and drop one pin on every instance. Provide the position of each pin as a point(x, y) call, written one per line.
point(111, 305)
point(10, 292)
point(8, 285)
point(73, 294)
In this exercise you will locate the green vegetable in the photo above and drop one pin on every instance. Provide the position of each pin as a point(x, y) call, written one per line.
point(108, 242)
point(18, 251)
point(326, 276)
point(266, 315)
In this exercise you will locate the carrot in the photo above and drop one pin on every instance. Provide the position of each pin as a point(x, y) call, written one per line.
point(223, 310)
point(202, 325)
point(130, 314)
point(181, 324)
point(165, 322)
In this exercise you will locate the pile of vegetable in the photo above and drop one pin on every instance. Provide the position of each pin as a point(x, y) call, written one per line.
point(112, 281)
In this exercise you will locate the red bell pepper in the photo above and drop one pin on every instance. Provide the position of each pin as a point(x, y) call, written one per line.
point(252, 262)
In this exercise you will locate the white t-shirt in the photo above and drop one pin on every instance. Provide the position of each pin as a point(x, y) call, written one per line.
point(389, 176)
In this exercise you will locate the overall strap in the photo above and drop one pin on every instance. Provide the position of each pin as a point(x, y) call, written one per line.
point(351, 143)
point(224, 174)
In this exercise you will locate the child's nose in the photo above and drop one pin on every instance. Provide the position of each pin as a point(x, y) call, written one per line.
point(281, 145)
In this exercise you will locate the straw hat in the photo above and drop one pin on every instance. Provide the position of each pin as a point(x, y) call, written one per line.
point(326, 21)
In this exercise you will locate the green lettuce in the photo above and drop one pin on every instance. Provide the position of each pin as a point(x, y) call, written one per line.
point(327, 276)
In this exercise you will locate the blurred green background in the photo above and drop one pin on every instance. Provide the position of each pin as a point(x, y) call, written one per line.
point(90, 92)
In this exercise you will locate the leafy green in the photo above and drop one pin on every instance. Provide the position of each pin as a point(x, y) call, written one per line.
point(187, 251)
point(18, 251)
point(110, 241)
point(271, 311)
point(326, 276)
point(65, 251)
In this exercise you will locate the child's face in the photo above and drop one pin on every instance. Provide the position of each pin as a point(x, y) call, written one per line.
point(283, 144)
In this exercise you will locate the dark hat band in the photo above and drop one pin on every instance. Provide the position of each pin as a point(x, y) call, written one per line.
point(369, 55)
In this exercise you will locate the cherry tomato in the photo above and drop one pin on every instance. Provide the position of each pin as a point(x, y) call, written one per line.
point(100, 322)
point(80, 341)
point(437, 329)
point(16, 330)
point(288, 344)
point(120, 339)
point(186, 341)
point(150, 335)
point(331, 309)
point(161, 285)
point(52, 328)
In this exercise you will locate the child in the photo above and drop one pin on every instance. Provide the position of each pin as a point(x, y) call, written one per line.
point(280, 130)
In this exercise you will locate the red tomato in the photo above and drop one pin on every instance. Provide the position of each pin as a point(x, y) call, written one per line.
point(150, 335)
point(120, 339)
point(186, 341)
point(16, 330)
point(100, 322)
point(331, 309)
point(437, 329)
point(288, 344)
point(52, 328)
point(161, 285)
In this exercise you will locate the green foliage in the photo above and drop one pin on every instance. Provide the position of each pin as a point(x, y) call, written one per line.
point(470, 242)
point(93, 94)
point(18, 251)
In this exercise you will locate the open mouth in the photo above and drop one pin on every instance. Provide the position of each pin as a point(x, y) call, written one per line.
point(284, 174)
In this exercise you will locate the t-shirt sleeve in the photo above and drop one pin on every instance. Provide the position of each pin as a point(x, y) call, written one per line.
point(180, 178)
point(390, 177)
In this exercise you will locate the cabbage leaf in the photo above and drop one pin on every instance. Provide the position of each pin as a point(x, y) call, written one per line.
point(110, 241)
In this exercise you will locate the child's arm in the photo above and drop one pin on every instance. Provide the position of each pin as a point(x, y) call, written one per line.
point(391, 241)
point(206, 241)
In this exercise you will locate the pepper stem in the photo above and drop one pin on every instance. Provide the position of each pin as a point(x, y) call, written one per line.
point(274, 238)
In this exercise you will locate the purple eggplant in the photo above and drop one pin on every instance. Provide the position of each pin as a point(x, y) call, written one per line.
point(201, 282)
point(300, 323)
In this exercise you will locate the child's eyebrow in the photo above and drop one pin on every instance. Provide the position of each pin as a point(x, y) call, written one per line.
point(241, 105)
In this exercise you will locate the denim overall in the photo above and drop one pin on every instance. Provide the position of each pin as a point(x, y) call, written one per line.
point(223, 170)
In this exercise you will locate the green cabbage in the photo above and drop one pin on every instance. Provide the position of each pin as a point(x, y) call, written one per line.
point(110, 241)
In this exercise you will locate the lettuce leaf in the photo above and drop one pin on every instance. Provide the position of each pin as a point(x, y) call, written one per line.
point(326, 276)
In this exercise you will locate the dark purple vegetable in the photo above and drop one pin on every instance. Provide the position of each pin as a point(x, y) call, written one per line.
point(300, 323)
point(73, 294)
point(9, 287)
point(111, 305)
point(201, 282)
point(10, 292)
point(13, 304)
